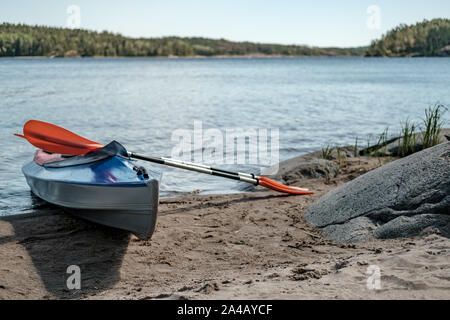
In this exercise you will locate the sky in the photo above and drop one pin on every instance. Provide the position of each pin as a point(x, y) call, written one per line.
point(322, 23)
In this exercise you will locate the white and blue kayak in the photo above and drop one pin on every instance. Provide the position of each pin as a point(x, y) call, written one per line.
point(104, 186)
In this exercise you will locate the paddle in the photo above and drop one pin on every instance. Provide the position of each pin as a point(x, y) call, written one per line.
point(55, 139)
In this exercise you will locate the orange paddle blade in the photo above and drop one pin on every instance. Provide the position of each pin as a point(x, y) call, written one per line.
point(270, 184)
point(52, 138)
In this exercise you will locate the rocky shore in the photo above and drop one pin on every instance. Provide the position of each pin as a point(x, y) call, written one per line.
point(254, 245)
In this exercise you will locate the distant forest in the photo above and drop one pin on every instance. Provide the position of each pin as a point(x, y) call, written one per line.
point(427, 38)
point(22, 40)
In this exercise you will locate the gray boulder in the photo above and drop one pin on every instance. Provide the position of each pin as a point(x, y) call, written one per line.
point(299, 168)
point(401, 199)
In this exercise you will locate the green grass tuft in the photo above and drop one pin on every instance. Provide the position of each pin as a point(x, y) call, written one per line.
point(327, 152)
point(355, 148)
point(340, 157)
point(432, 125)
point(407, 141)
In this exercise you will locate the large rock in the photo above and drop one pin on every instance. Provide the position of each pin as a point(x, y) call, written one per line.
point(400, 199)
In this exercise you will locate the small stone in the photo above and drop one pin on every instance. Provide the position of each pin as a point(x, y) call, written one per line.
point(341, 265)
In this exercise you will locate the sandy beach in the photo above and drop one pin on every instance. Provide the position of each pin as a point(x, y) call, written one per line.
point(252, 245)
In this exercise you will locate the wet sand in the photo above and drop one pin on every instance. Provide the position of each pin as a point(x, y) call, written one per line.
point(245, 246)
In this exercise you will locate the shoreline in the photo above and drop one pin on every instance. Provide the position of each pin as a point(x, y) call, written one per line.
point(252, 245)
point(250, 56)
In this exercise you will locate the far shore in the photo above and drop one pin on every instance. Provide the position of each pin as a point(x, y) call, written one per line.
point(249, 56)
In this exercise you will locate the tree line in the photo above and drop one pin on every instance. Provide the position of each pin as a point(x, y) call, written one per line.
point(427, 38)
point(23, 40)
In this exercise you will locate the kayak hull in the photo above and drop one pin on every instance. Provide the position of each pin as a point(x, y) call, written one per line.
point(108, 192)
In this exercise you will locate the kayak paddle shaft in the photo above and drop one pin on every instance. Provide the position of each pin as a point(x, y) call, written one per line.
point(197, 168)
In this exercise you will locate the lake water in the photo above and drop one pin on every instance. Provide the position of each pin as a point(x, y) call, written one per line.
point(141, 102)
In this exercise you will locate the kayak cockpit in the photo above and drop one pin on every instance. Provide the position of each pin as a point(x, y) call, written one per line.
point(113, 170)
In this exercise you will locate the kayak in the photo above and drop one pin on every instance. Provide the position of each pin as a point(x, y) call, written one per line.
point(104, 187)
